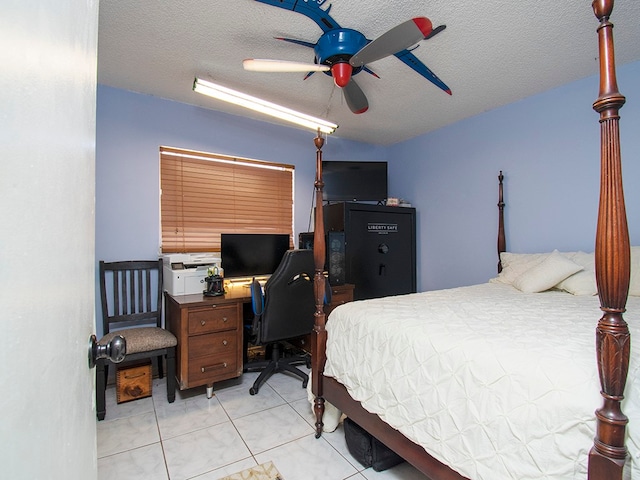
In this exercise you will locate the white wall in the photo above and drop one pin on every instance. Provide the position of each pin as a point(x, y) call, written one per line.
point(47, 134)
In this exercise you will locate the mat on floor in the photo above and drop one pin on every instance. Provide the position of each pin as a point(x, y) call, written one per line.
point(266, 471)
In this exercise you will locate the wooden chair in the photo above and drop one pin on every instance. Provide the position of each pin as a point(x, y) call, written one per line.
point(131, 295)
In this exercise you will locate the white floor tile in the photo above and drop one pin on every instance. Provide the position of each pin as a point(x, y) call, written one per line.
point(144, 462)
point(270, 428)
point(303, 407)
point(228, 470)
point(288, 385)
point(160, 393)
point(197, 438)
point(404, 471)
point(203, 451)
point(122, 434)
point(336, 440)
point(308, 458)
point(237, 401)
point(189, 415)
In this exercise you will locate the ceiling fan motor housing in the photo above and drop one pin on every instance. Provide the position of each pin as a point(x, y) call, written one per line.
point(335, 48)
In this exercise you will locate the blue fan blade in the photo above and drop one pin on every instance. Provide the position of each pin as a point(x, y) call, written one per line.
point(297, 42)
point(410, 60)
point(308, 8)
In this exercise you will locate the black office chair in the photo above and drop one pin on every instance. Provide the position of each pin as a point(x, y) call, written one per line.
point(285, 311)
point(131, 295)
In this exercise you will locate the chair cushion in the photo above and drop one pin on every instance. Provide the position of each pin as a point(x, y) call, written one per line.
point(143, 339)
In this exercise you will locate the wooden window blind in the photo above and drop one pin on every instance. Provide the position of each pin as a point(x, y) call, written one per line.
point(204, 195)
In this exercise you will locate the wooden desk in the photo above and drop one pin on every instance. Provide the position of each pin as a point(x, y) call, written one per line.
point(209, 333)
point(210, 336)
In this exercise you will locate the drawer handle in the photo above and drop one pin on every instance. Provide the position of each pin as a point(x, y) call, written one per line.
point(225, 343)
point(213, 306)
point(214, 367)
point(202, 322)
point(224, 319)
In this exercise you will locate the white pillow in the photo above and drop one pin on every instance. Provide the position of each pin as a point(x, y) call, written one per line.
point(634, 285)
point(515, 264)
point(582, 282)
point(587, 260)
point(548, 273)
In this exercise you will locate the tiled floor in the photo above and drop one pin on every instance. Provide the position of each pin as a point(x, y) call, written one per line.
point(206, 439)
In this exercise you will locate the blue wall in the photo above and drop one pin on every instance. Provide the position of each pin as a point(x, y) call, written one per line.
point(131, 128)
point(547, 146)
point(548, 149)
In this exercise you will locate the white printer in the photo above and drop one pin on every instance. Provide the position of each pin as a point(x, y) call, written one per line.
point(184, 273)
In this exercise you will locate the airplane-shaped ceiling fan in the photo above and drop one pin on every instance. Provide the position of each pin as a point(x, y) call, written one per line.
point(343, 52)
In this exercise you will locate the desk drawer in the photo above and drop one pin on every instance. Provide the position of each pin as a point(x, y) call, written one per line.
point(212, 368)
point(221, 343)
point(212, 318)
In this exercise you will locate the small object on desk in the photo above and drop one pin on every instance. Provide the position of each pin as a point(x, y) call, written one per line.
point(215, 286)
point(215, 282)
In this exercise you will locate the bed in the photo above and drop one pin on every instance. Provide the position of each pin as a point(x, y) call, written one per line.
point(460, 392)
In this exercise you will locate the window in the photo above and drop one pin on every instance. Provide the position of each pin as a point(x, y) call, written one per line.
point(204, 195)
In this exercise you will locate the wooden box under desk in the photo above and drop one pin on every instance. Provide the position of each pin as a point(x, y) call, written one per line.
point(133, 381)
point(209, 333)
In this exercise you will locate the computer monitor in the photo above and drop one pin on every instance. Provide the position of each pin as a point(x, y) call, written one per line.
point(252, 254)
point(346, 181)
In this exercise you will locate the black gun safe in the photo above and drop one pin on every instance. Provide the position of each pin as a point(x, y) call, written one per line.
point(375, 248)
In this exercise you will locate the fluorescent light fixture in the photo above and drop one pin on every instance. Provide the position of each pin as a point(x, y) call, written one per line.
point(237, 98)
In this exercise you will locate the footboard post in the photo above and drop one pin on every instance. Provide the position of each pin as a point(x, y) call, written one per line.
point(502, 243)
point(612, 258)
point(319, 335)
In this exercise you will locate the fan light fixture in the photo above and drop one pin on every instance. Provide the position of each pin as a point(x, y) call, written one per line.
point(238, 98)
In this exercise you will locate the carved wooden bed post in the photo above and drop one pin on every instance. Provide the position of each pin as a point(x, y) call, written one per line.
point(612, 258)
point(502, 243)
point(319, 335)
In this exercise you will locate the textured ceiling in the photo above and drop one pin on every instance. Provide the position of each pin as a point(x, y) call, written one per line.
point(493, 52)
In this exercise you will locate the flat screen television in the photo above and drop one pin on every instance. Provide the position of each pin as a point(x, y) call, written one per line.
point(251, 255)
point(354, 181)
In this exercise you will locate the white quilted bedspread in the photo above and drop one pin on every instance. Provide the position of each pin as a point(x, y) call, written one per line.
point(483, 378)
